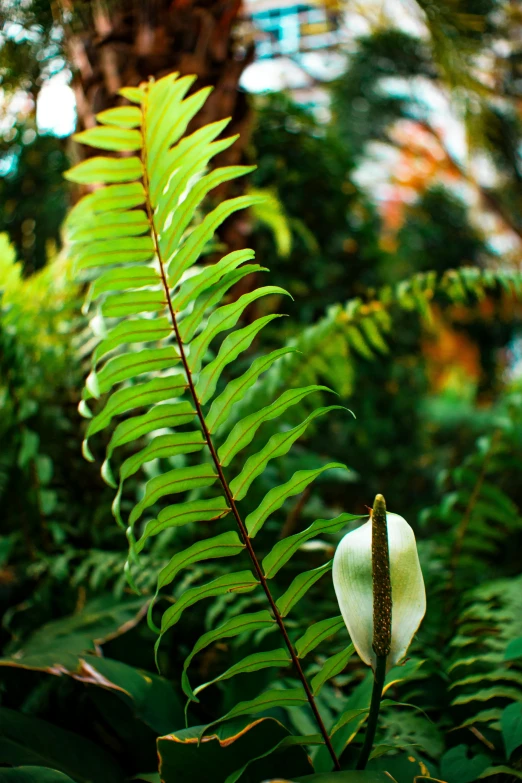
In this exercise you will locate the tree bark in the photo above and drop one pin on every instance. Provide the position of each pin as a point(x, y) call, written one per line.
point(117, 43)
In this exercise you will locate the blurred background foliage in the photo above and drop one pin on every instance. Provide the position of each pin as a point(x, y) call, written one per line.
point(402, 254)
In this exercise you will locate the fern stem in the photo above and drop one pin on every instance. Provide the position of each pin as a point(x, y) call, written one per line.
point(375, 704)
point(224, 483)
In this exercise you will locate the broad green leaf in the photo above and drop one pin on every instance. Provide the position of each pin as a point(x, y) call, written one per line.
point(225, 318)
point(203, 233)
point(511, 723)
point(277, 496)
point(212, 296)
point(332, 666)
point(158, 417)
point(133, 303)
point(230, 349)
point(299, 586)
point(224, 545)
point(122, 116)
point(190, 289)
point(241, 582)
point(458, 767)
point(233, 627)
point(317, 633)
point(284, 549)
point(244, 431)
point(229, 749)
point(133, 330)
point(105, 170)
point(131, 397)
point(111, 138)
point(57, 646)
point(278, 445)
point(171, 483)
point(122, 368)
point(236, 389)
point(26, 740)
point(514, 650)
point(252, 663)
point(183, 513)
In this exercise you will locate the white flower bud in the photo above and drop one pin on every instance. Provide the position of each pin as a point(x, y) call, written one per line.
point(352, 578)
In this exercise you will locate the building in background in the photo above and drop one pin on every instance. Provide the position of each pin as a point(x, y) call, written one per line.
point(297, 48)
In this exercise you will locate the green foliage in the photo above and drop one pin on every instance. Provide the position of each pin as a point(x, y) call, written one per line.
point(144, 274)
point(78, 656)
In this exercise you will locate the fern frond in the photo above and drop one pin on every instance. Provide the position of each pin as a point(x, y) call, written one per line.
point(324, 352)
point(168, 329)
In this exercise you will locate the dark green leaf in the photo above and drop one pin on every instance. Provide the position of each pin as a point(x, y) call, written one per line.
point(183, 513)
point(30, 741)
point(277, 496)
point(299, 587)
point(224, 545)
point(251, 663)
point(316, 633)
point(283, 550)
point(244, 430)
point(511, 723)
point(236, 625)
point(332, 666)
point(278, 445)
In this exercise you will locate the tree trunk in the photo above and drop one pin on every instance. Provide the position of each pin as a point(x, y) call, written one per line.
point(117, 43)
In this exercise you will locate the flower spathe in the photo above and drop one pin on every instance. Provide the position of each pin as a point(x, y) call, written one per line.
point(352, 578)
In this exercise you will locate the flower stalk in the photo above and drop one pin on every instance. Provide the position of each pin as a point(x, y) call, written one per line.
point(382, 619)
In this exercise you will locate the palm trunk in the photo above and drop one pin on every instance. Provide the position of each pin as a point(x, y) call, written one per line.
point(117, 43)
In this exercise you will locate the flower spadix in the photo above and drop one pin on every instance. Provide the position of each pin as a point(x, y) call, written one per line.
point(381, 621)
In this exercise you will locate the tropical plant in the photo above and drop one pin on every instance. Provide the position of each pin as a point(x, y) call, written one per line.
point(149, 299)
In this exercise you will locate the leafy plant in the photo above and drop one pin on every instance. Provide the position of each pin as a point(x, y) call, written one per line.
point(137, 232)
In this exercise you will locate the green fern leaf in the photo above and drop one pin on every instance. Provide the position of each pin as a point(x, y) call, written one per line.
point(331, 667)
point(317, 633)
point(283, 550)
point(167, 333)
point(300, 586)
point(252, 663)
point(234, 627)
point(278, 495)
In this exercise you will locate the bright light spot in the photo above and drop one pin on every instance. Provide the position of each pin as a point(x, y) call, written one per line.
point(56, 107)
